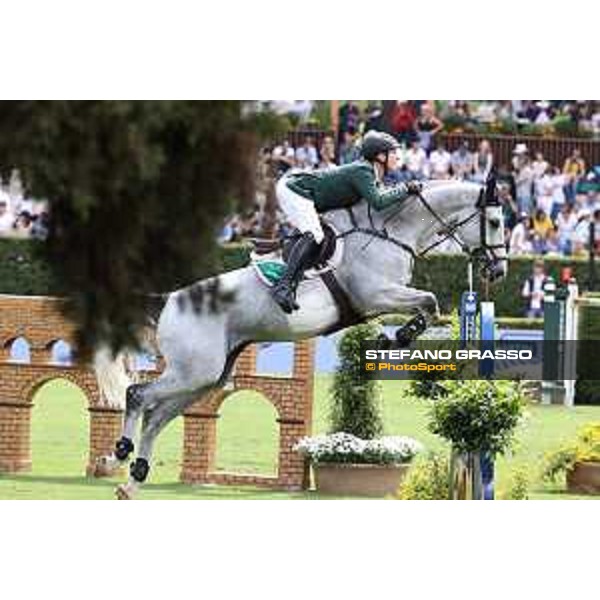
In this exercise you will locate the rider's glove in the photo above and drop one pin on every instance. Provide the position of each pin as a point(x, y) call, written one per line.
point(414, 187)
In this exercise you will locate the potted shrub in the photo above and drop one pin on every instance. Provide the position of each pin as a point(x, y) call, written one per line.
point(479, 419)
point(344, 464)
point(580, 462)
point(354, 459)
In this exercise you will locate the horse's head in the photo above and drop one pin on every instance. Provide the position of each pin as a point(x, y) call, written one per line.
point(472, 216)
point(490, 244)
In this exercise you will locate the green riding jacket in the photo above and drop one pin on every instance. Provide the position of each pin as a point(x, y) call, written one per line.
point(344, 186)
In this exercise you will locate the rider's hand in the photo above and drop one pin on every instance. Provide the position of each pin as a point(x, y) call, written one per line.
point(414, 187)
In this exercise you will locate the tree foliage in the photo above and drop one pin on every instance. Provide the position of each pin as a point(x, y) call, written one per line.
point(478, 416)
point(137, 190)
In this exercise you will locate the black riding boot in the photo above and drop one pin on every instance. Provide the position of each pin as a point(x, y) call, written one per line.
point(284, 291)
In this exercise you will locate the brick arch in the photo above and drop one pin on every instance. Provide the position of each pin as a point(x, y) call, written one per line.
point(86, 382)
point(41, 322)
point(8, 342)
point(215, 401)
point(292, 398)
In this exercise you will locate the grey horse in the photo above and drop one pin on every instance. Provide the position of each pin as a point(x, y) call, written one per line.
point(200, 338)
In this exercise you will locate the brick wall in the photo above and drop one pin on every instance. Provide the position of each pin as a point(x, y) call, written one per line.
point(40, 321)
point(292, 398)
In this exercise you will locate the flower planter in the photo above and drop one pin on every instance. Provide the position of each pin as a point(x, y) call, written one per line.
point(584, 478)
point(359, 479)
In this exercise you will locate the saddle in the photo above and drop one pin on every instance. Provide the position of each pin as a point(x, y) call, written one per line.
point(321, 265)
point(262, 247)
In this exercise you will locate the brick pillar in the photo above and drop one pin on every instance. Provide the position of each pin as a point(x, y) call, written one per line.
point(15, 436)
point(40, 355)
point(200, 437)
point(199, 446)
point(105, 429)
point(246, 361)
point(293, 469)
point(304, 370)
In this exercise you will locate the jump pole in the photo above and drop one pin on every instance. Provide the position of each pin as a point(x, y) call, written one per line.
point(560, 356)
point(481, 466)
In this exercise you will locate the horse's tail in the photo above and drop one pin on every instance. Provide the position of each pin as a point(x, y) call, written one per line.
point(112, 377)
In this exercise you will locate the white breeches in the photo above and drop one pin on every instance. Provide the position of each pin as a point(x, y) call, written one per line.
point(299, 211)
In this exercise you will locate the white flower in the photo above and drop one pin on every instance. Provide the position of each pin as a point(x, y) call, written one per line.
point(343, 447)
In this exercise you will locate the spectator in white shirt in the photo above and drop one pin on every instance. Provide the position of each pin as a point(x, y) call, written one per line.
point(284, 157)
point(439, 163)
point(416, 160)
point(544, 190)
point(462, 162)
point(559, 180)
point(566, 221)
point(539, 165)
point(523, 174)
point(482, 161)
point(327, 153)
point(307, 156)
point(519, 238)
point(581, 233)
point(533, 291)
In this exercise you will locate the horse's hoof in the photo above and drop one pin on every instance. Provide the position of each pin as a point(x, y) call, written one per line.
point(123, 492)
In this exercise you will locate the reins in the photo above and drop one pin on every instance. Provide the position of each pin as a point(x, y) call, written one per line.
point(447, 232)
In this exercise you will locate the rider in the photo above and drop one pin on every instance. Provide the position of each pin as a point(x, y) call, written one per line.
point(304, 194)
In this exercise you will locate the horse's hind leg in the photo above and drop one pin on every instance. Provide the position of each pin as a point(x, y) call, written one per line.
point(165, 400)
point(155, 420)
point(135, 400)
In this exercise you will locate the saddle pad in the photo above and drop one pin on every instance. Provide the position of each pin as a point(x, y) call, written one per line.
point(269, 271)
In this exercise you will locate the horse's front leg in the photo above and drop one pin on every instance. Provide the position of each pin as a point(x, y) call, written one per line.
point(403, 299)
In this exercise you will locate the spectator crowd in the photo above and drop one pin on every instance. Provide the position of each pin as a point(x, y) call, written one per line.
point(20, 216)
point(548, 208)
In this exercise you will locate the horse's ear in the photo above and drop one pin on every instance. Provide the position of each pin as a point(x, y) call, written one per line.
point(491, 198)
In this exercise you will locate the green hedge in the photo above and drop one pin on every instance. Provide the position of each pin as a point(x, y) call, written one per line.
point(23, 271)
point(587, 389)
point(446, 276)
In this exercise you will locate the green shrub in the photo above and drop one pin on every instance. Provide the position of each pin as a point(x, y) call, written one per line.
point(585, 448)
point(355, 399)
point(587, 388)
point(478, 416)
point(518, 488)
point(23, 271)
point(427, 479)
point(564, 126)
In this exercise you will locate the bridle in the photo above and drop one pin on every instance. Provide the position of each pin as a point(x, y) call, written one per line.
point(486, 252)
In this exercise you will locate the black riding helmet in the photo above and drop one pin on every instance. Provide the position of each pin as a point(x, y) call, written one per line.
point(378, 142)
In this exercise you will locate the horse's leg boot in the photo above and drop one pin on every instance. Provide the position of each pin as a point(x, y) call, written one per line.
point(411, 330)
point(284, 291)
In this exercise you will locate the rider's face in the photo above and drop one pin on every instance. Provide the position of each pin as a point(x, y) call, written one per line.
point(392, 160)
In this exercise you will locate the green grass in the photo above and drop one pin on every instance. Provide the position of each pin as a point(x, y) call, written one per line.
point(248, 444)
